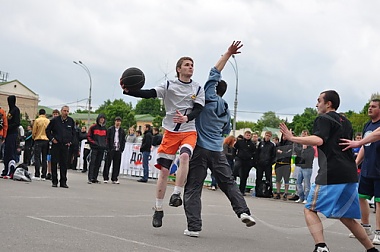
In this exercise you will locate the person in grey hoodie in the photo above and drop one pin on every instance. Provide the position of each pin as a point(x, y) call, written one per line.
point(97, 138)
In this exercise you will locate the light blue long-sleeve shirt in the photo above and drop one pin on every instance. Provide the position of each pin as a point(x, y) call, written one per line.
point(215, 119)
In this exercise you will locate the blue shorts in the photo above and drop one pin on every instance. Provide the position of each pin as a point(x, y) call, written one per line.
point(368, 188)
point(48, 158)
point(335, 201)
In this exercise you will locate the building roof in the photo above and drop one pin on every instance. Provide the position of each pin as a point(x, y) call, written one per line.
point(10, 82)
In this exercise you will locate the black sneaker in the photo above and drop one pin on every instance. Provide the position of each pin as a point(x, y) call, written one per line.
point(157, 218)
point(175, 200)
point(277, 196)
point(48, 176)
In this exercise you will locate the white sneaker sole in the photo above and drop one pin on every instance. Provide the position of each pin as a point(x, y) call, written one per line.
point(191, 233)
point(247, 220)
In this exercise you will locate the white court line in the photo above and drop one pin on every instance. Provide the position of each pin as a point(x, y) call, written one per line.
point(102, 234)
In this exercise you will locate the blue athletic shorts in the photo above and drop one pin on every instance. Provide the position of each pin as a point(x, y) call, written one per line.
point(335, 201)
point(48, 158)
point(368, 188)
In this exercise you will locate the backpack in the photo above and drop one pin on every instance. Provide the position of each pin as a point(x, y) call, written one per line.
point(264, 190)
point(21, 173)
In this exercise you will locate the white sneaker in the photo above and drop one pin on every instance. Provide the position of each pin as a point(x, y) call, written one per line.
point(213, 188)
point(191, 233)
point(299, 200)
point(116, 182)
point(247, 219)
point(367, 230)
point(105, 181)
point(36, 178)
point(304, 202)
point(376, 239)
point(320, 249)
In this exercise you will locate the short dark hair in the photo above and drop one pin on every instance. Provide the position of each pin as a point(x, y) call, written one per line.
point(180, 61)
point(42, 112)
point(148, 127)
point(221, 88)
point(376, 100)
point(333, 97)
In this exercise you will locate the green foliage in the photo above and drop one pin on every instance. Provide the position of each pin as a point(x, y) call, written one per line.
point(269, 119)
point(303, 121)
point(117, 108)
point(157, 121)
point(245, 124)
point(150, 106)
point(357, 120)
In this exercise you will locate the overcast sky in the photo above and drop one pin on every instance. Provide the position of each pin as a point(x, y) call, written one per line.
point(292, 49)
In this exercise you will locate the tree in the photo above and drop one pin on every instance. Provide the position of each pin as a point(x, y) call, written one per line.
point(157, 121)
point(150, 106)
point(244, 125)
point(303, 121)
point(269, 119)
point(117, 108)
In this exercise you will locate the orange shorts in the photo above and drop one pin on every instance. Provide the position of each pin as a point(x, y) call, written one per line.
point(172, 141)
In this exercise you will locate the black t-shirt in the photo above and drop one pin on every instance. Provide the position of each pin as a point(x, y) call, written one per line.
point(335, 166)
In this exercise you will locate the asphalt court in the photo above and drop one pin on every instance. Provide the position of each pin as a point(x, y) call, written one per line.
point(109, 217)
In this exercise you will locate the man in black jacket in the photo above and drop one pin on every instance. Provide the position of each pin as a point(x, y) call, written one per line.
point(60, 131)
point(245, 150)
point(266, 154)
point(115, 147)
point(12, 135)
point(146, 145)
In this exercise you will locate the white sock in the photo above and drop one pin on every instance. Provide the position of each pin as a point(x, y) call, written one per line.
point(159, 203)
point(177, 189)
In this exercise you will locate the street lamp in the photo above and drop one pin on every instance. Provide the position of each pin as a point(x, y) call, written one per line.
point(82, 65)
point(235, 67)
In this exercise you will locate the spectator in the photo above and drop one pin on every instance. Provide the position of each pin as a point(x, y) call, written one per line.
point(41, 144)
point(145, 148)
point(86, 147)
point(266, 158)
point(97, 138)
point(304, 174)
point(3, 130)
point(60, 131)
point(28, 147)
point(115, 147)
point(245, 150)
point(157, 137)
point(131, 138)
point(10, 151)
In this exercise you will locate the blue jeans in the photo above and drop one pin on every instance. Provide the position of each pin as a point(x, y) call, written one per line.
point(304, 176)
point(145, 163)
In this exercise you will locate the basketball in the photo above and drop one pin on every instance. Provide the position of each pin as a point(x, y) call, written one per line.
point(132, 79)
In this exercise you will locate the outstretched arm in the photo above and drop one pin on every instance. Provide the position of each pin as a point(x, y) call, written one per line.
point(373, 137)
point(233, 49)
point(308, 140)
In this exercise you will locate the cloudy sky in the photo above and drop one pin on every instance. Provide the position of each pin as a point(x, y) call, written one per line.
point(292, 49)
